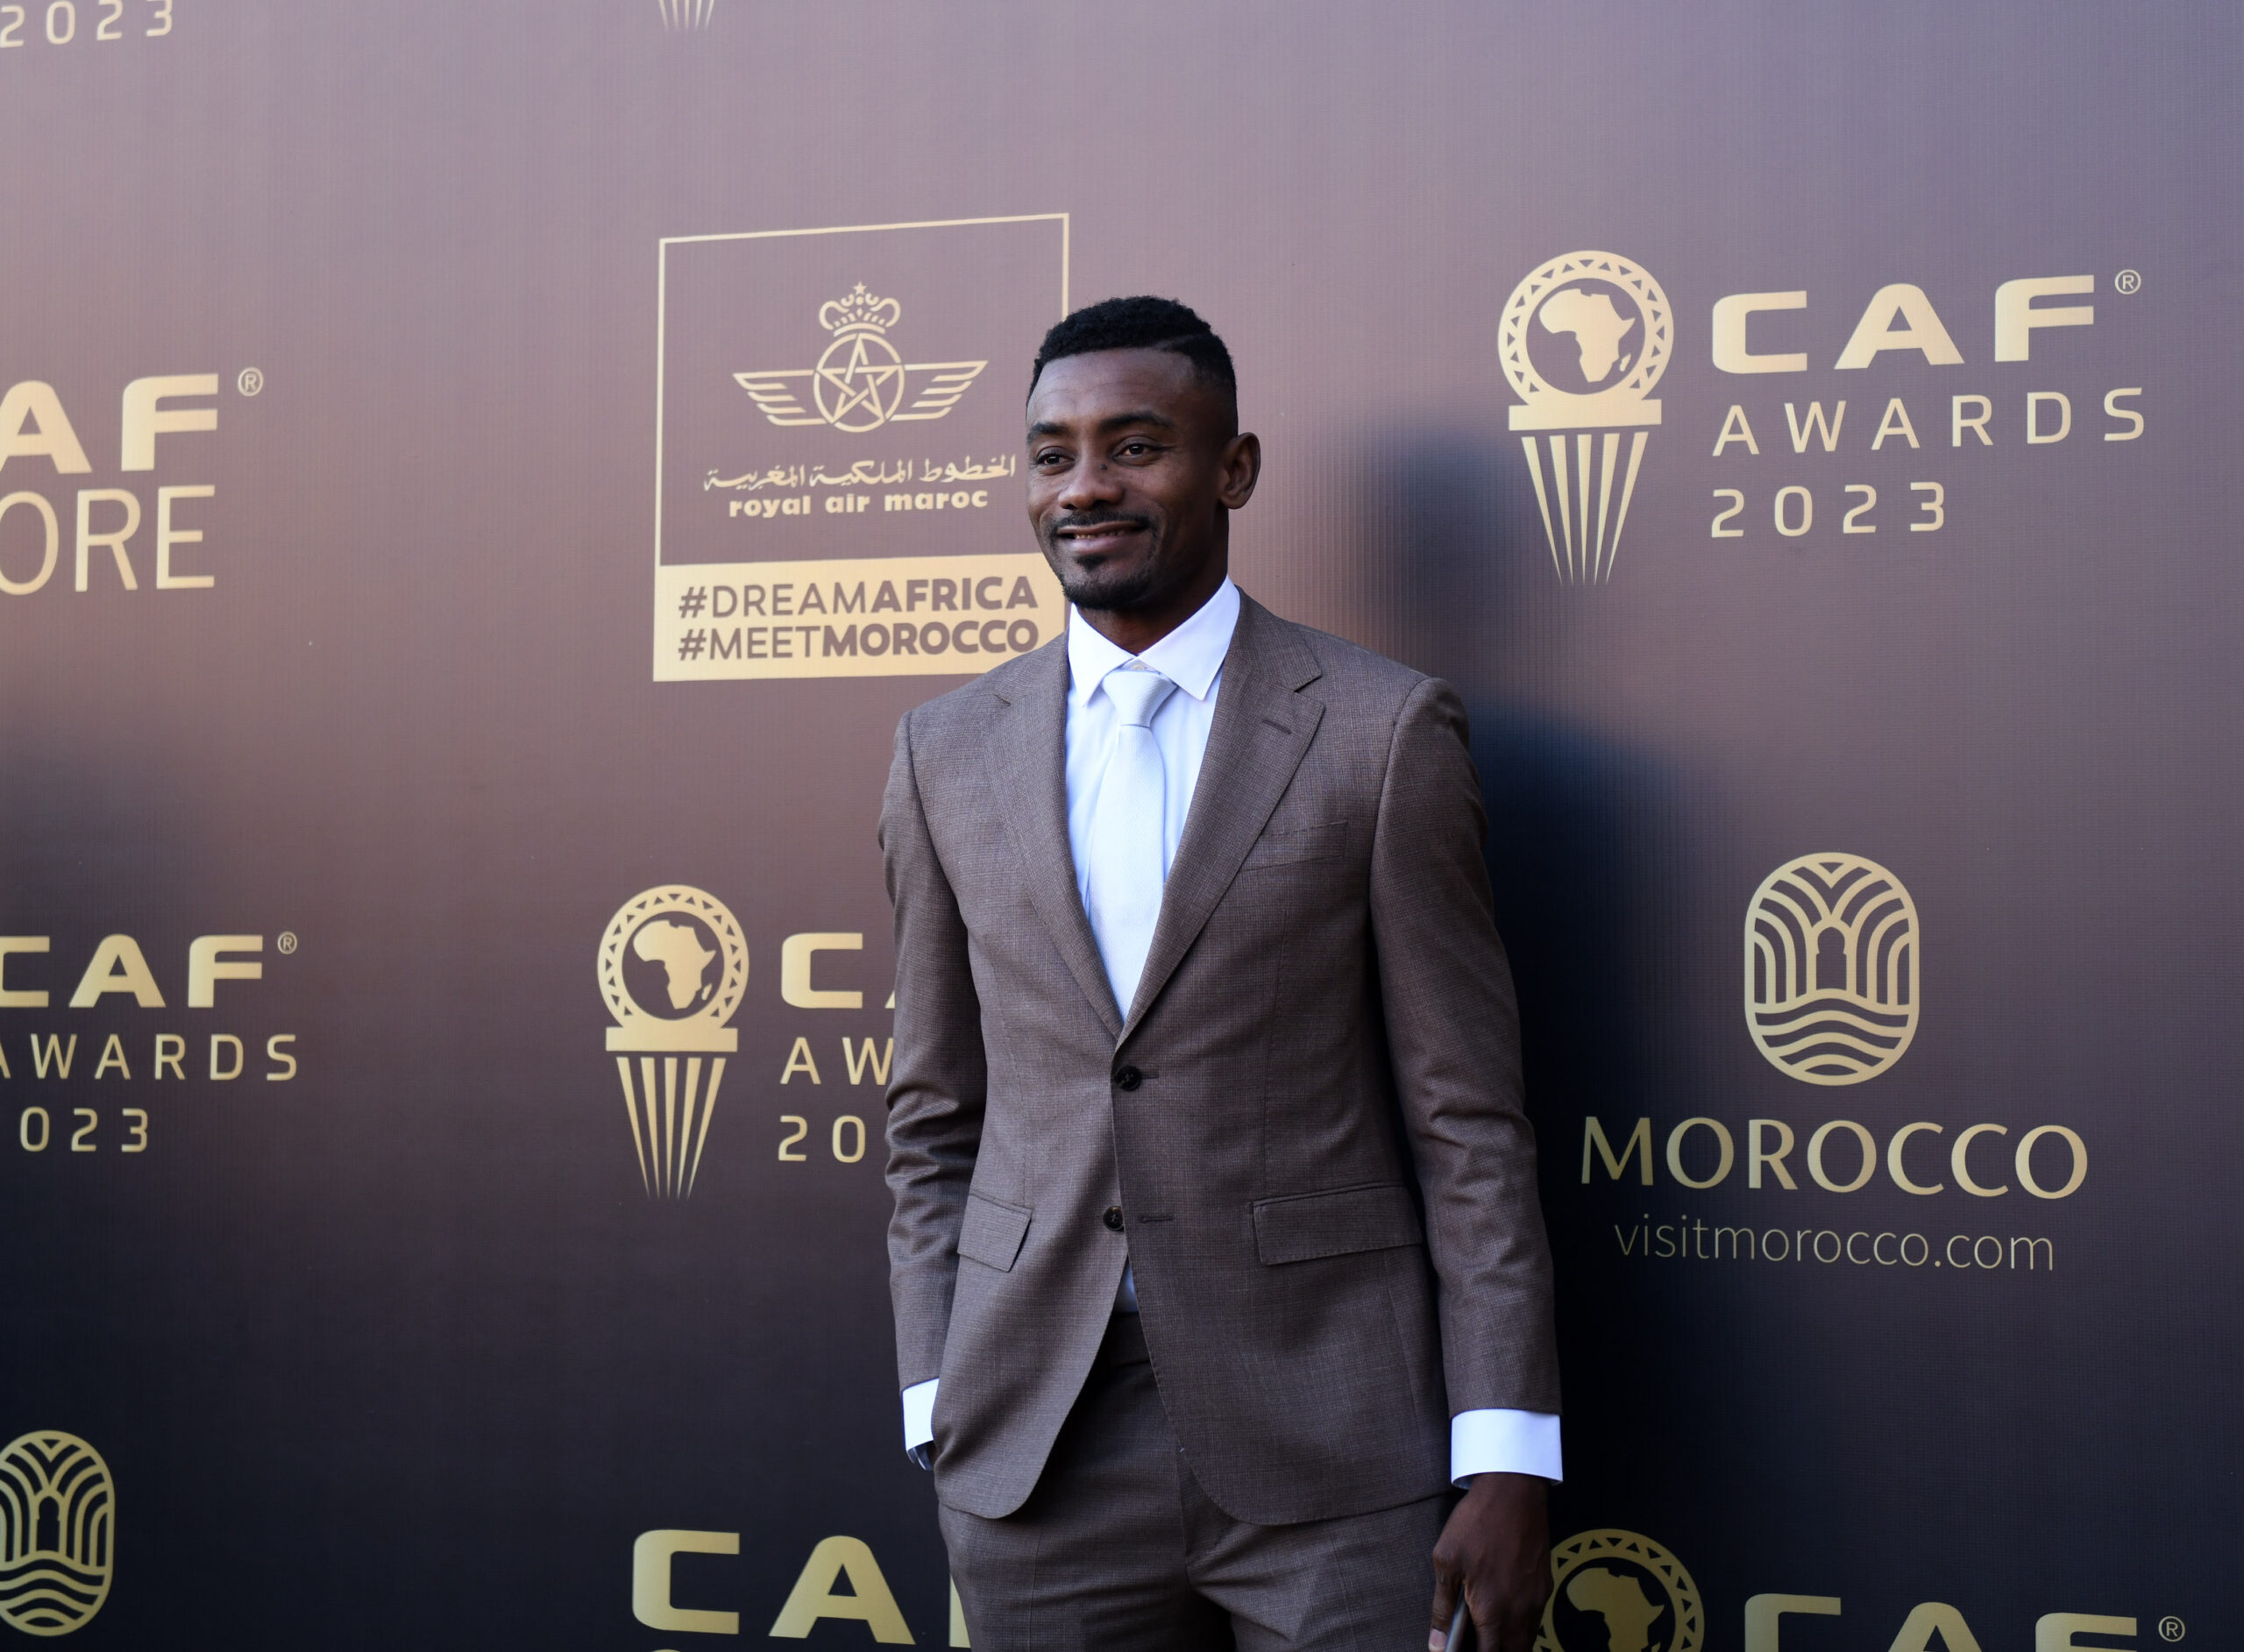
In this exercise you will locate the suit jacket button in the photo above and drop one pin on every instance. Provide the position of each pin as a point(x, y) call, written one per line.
point(1129, 1078)
point(1114, 1217)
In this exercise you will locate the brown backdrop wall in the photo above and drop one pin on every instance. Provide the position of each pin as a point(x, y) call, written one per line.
point(399, 1333)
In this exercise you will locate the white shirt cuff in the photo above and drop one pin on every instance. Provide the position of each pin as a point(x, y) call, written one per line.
point(920, 1419)
point(1492, 1442)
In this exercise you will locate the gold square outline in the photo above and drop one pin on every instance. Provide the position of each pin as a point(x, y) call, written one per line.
point(663, 245)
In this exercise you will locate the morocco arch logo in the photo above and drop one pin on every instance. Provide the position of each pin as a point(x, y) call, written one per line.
point(58, 1533)
point(1584, 340)
point(1831, 968)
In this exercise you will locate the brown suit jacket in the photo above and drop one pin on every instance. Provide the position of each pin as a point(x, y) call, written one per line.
point(1309, 1118)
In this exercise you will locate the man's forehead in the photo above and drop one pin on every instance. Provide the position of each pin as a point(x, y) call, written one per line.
point(1108, 384)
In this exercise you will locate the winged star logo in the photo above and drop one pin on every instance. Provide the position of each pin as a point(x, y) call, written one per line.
point(860, 383)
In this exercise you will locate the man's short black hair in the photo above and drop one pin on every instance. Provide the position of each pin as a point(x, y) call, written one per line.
point(1143, 322)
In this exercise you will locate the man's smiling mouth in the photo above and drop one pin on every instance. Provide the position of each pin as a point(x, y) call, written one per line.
point(1098, 535)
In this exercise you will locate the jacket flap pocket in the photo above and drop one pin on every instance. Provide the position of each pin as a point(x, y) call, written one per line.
point(1377, 1217)
point(1326, 842)
point(991, 1233)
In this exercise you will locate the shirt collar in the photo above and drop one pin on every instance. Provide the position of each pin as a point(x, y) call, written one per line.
point(1192, 656)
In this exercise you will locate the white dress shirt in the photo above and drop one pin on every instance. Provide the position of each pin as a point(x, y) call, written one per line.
point(1192, 657)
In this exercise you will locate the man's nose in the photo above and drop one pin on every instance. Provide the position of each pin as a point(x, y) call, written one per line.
point(1092, 482)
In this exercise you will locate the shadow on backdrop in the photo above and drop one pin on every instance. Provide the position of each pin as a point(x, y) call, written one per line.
point(1579, 828)
point(1458, 571)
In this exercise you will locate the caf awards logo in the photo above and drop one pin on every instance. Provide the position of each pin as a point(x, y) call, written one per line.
point(859, 382)
point(672, 968)
point(1831, 986)
point(1584, 340)
point(58, 1533)
point(1617, 1592)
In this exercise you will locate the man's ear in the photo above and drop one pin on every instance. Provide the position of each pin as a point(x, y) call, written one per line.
point(1242, 467)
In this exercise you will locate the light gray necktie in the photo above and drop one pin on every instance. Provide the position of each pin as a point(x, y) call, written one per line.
point(1123, 882)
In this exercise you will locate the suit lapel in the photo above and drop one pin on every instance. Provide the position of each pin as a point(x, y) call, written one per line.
point(1028, 758)
point(1262, 729)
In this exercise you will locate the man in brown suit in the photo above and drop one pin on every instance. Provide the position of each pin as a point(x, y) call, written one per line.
point(1217, 1255)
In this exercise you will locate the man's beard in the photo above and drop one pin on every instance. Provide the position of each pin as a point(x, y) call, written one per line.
point(1107, 589)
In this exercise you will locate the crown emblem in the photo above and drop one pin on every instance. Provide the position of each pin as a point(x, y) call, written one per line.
point(858, 310)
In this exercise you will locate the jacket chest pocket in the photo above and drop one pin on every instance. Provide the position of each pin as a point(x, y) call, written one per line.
point(1380, 1217)
point(1327, 842)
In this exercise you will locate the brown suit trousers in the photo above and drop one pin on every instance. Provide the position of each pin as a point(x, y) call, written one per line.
point(1119, 1548)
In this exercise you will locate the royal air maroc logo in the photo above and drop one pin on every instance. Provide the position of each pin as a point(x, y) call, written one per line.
point(859, 384)
point(672, 968)
point(1584, 339)
point(1617, 1592)
point(58, 1533)
point(1831, 963)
